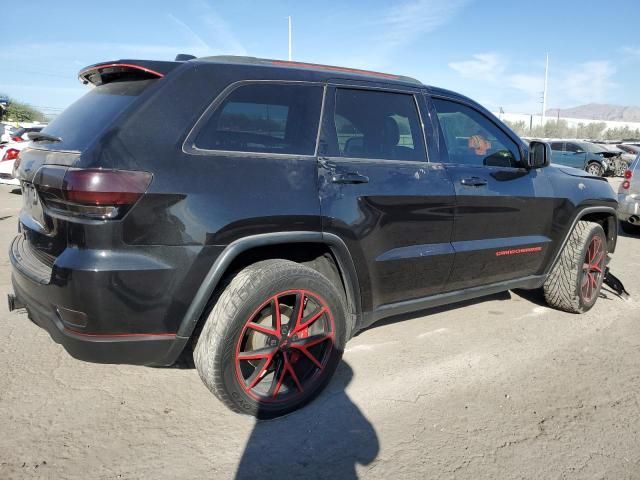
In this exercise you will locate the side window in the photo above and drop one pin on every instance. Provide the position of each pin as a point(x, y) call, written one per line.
point(557, 146)
point(573, 148)
point(266, 118)
point(377, 125)
point(473, 139)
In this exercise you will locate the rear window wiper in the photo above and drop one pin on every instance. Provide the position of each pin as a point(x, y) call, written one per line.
point(43, 137)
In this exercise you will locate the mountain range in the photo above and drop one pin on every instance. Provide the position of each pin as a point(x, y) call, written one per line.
point(599, 111)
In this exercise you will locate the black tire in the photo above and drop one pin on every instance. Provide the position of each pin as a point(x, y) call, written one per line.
point(229, 334)
point(594, 168)
point(630, 229)
point(564, 288)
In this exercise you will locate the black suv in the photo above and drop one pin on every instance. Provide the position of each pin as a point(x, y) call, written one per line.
point(256, 214)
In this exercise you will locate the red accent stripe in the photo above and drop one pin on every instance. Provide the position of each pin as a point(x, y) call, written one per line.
point(334, 69)
point(125, 65)
point(84, 334)
point(518, 251)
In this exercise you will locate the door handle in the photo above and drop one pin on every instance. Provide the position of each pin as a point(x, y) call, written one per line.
point(349, 177)
point(473, 182)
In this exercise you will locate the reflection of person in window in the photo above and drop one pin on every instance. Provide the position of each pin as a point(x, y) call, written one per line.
point(479, 144)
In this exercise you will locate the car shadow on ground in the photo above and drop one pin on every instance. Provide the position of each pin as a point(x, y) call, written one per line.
point(326, 439)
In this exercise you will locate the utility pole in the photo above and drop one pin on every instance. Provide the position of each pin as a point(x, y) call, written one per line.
point(290, 41)
point(544, 92)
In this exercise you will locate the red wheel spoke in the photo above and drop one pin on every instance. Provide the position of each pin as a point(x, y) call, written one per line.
point(275, 314)
point(262, 329)
point(312, 318)
point(257, 354)
point(308, 354)
point(309, 342)
point(278, 378)
point(298, 310)
point(292, 372)
point(264, 365)
point(258, 373)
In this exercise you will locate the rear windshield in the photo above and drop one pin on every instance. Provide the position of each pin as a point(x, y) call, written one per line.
point(85, 119)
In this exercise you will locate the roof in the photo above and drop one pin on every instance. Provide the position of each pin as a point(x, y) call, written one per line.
point(302, 66)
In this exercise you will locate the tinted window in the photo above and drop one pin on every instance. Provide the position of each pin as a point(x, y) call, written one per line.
point(573, 148)
point(267, 118)
point(557, 146)
point(86, 118)
point(377, 125)
point(473, 139)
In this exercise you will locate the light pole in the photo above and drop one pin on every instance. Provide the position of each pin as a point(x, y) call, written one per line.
point(290, 40)
point(544, 92)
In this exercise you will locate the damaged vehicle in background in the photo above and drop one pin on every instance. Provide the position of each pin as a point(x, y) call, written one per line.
point(620, 161)
point(582, 155)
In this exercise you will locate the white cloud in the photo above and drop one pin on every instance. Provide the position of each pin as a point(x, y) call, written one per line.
point(385, 35)
point(519, 88)
point(587, 82)
point(482, 66)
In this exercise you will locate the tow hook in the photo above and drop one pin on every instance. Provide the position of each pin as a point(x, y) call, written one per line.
point(615, 284)
point(14, 303)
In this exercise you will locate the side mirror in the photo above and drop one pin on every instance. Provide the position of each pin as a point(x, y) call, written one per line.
point(539, 154)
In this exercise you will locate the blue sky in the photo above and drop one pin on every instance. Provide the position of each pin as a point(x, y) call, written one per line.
point(492, 51)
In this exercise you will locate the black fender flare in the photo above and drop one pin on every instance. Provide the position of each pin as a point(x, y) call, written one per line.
point(237, 247)
point(613, 230)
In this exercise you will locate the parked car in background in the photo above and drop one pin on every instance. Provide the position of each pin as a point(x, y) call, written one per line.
point(632, 149)
point(582, 155)
point(5, 132)
point(620, 161)
point(20, 134)
point(8, 155)
point(629, 199)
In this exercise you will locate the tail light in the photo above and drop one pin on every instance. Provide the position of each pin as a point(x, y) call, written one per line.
point(17, 139)
point(10, 154)
point(627, 179)
point(93, 193)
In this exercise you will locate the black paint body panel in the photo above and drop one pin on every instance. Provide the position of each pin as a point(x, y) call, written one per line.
point(410, 237)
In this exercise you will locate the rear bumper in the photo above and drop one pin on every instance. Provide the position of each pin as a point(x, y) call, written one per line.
point(93, 313)
point(628, 206)
point(136, 349)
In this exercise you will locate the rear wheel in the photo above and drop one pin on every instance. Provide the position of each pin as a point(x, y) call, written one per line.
point(629, 228)
point(576, 279)
point(273, 339)
point(594, 168)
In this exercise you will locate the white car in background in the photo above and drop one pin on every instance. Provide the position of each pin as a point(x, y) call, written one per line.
point(8, 154)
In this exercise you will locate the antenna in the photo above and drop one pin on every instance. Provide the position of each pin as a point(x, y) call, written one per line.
point(544, 92)
point(290, 40)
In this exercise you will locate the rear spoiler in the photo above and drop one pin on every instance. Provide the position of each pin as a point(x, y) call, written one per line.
point(106, 72)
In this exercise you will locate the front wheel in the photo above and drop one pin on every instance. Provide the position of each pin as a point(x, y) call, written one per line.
point(576, 279)
point(594, 169)
point(273, 339)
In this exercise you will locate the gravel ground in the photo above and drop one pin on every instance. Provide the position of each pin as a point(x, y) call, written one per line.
point(501, 387)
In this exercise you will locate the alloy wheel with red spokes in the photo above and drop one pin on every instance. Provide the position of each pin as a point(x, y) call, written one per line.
point(593, 269)
point(284, 346)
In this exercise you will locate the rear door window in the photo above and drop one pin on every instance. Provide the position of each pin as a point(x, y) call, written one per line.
point(377, 125)
point(265, 118)
point(574, 148)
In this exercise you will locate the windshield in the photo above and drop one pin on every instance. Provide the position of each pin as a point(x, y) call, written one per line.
point(84, 120)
